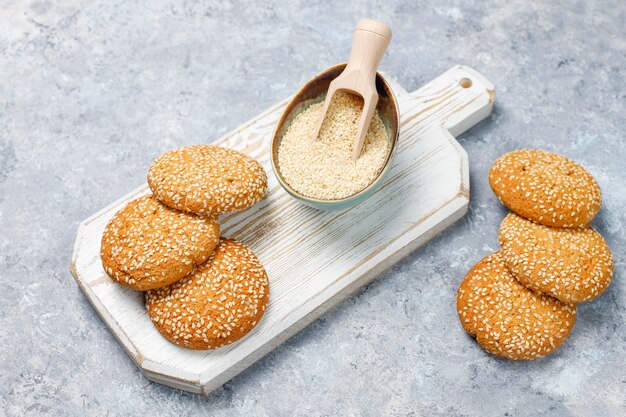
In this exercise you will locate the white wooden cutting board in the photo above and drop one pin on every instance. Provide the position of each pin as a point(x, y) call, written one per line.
point(314, 259)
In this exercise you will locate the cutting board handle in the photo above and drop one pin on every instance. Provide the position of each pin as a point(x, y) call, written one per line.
point(464, 89)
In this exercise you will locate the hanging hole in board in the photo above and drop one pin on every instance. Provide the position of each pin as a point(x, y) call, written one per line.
point(465, 82)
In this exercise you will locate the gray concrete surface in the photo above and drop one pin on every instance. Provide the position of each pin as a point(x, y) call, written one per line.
point(92, 91)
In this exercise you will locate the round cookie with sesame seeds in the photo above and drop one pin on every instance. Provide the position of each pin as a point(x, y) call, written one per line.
point(207, 179)
point(219, 303)
point(571, 264)
point(148, 245)
point(506, 318)
point(546, 187)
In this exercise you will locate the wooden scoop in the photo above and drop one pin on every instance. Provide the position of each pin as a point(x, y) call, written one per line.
point(370, 41)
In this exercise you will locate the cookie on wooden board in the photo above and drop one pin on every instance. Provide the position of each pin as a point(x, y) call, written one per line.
point(546, 187)
point(149, 245)
point(207, 179)
point(571, 264)
point(219, 303)
point(506, 318)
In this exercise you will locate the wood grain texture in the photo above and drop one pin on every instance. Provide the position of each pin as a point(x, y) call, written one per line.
point(314, 259)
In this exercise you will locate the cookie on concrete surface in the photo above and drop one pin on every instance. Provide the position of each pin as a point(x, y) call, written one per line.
point(545, 187)
point(571, 264)
point(506, 318)
point(217, 304)
point(149, 245)
point(207, 179)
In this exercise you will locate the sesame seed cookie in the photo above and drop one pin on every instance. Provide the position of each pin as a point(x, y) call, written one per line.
point(149, 245)
point(207, 179)
point(217, 304)
point(571, 264)
point(546, 187)
point(506, 318)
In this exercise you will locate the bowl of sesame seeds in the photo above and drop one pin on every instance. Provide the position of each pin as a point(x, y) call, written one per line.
point(321, 173)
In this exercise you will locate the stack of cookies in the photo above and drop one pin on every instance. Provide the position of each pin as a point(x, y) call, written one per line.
point(520, 302)
point(202, 291)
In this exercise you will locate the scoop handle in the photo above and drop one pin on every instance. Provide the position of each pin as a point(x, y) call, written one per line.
point(369, 43)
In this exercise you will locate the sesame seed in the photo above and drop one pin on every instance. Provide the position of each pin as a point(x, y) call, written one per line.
point(571, 264)
point(142, 244)
point(546, 187)
point(530, 325)
point(323, 168)
point(212, 286)
point(207, 179)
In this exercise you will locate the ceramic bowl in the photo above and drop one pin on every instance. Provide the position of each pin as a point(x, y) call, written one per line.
point(313, 92)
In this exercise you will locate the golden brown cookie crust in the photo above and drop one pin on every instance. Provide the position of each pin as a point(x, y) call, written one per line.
point(571, 264)
point(506, 318)
point(207, 179)
point(217, 304)
point(545, 187)
point(149, 245)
